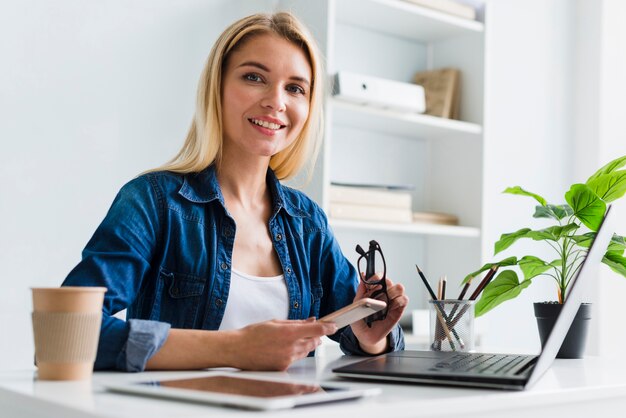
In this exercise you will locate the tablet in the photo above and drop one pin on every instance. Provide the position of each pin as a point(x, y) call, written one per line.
point(249, 392)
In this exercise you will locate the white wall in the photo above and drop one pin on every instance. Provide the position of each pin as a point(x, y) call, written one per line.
point(527, 106)
point(554, 108)
point(91, 93)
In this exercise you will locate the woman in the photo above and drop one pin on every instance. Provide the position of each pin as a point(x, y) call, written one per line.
point(216, 262)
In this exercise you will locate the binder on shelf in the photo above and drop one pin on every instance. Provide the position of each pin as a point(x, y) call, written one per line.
point(357, 212)
point(370, 196)
point(379, 92)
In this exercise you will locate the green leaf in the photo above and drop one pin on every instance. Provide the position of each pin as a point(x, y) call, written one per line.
point(553, 233)
point(609, 187)
point(504, 287)
point(587, 206)
point(518, 190)
point(533, 266)
point(609, 168)
point(506, 240)
point(557, 212)
point(617, 245)
point(616, 262)
point(584, 240)
point(509, 261)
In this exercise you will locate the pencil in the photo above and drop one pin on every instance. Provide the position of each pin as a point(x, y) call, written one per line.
point(430, 289)
point(492, 272)
point(443, 287)
point(484, 282)
point(465, 288)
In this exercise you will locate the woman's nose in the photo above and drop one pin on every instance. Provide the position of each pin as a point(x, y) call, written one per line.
point(274, 99)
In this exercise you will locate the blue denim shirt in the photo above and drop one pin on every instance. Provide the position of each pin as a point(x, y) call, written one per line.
point(164, 252)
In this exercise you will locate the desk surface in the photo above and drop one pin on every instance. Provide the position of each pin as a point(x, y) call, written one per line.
point(570, 388)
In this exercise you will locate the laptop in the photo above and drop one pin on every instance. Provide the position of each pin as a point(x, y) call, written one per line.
point(486, 370)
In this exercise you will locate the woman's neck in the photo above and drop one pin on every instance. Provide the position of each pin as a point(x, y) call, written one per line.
point(243, 182)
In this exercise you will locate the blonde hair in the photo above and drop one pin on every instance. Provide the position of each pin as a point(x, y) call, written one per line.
point(203, 145)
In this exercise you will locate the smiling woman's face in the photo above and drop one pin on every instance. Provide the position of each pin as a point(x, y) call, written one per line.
point(265, 96)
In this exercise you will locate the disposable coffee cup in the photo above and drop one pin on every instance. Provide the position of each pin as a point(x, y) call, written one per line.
point(66, 329)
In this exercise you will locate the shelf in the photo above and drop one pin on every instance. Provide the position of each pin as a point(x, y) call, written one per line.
point(405, 20)
point(412, 125)
point(408, 228)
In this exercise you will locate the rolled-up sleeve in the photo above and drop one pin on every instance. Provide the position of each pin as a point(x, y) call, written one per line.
point(144, 339)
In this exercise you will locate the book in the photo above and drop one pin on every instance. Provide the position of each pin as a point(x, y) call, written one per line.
point(369, 213)
point(442, 91)
point(435, 218)
point(370, 197)
point(448, 6)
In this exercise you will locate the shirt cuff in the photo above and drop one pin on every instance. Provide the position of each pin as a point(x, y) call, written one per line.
point(144, 339)
point(349, 344)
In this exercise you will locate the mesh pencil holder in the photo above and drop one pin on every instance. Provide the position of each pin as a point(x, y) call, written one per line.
point(452, 325)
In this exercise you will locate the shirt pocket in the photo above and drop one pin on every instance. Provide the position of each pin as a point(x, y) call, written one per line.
point(181, 296)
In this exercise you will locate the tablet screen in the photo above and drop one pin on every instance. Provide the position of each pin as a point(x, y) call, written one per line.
point(242, 386)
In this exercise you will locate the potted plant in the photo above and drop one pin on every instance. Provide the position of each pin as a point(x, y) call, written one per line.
point(573, 228)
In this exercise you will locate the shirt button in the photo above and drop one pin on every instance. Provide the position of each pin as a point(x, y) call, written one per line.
point(218, 302)
point(295, 305)
point(288, 270)
point(227, 232)
point(279, 237)
point(224, 266)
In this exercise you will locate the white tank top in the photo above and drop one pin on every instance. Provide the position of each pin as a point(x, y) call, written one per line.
point(253, 299)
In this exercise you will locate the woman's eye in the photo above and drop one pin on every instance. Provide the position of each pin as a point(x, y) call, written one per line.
point(252, 77)
point(295, 89)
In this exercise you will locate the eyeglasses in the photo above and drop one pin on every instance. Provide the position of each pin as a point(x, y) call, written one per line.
point(376, 287)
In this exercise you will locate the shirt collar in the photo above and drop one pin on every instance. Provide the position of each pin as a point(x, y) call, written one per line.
point(203, 187)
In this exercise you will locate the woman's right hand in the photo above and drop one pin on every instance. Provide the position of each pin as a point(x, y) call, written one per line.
point(275, 344)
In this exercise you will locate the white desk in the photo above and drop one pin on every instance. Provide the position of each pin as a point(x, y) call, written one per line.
point(571, 388)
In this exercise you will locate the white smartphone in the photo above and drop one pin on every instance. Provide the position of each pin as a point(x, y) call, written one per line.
point(357, 310)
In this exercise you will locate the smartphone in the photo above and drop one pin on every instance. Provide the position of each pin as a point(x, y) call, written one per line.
point(357, 310)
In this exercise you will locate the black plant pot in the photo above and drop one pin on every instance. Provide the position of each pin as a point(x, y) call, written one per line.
point(574, 344)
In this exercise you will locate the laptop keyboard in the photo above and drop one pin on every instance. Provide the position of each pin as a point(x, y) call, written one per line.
point(479, 363)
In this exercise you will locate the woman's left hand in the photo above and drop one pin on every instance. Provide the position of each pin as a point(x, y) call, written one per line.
point(374, 340)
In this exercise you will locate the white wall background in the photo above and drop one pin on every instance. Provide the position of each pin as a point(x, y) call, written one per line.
point(94, 92)
point(91, 94)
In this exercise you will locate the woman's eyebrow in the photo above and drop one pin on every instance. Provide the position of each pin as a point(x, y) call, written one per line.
point(266, 69)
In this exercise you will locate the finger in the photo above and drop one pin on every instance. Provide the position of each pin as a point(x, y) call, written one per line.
point(395, 290)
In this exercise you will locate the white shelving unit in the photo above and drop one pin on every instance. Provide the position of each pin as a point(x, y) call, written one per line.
point(442, 158)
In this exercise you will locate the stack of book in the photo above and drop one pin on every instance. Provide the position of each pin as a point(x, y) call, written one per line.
point(371, 203)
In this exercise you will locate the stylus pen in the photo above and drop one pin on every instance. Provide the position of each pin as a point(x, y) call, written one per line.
point(443, 317)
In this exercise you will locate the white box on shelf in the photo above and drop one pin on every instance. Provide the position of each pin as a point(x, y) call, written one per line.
point(379, 92)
